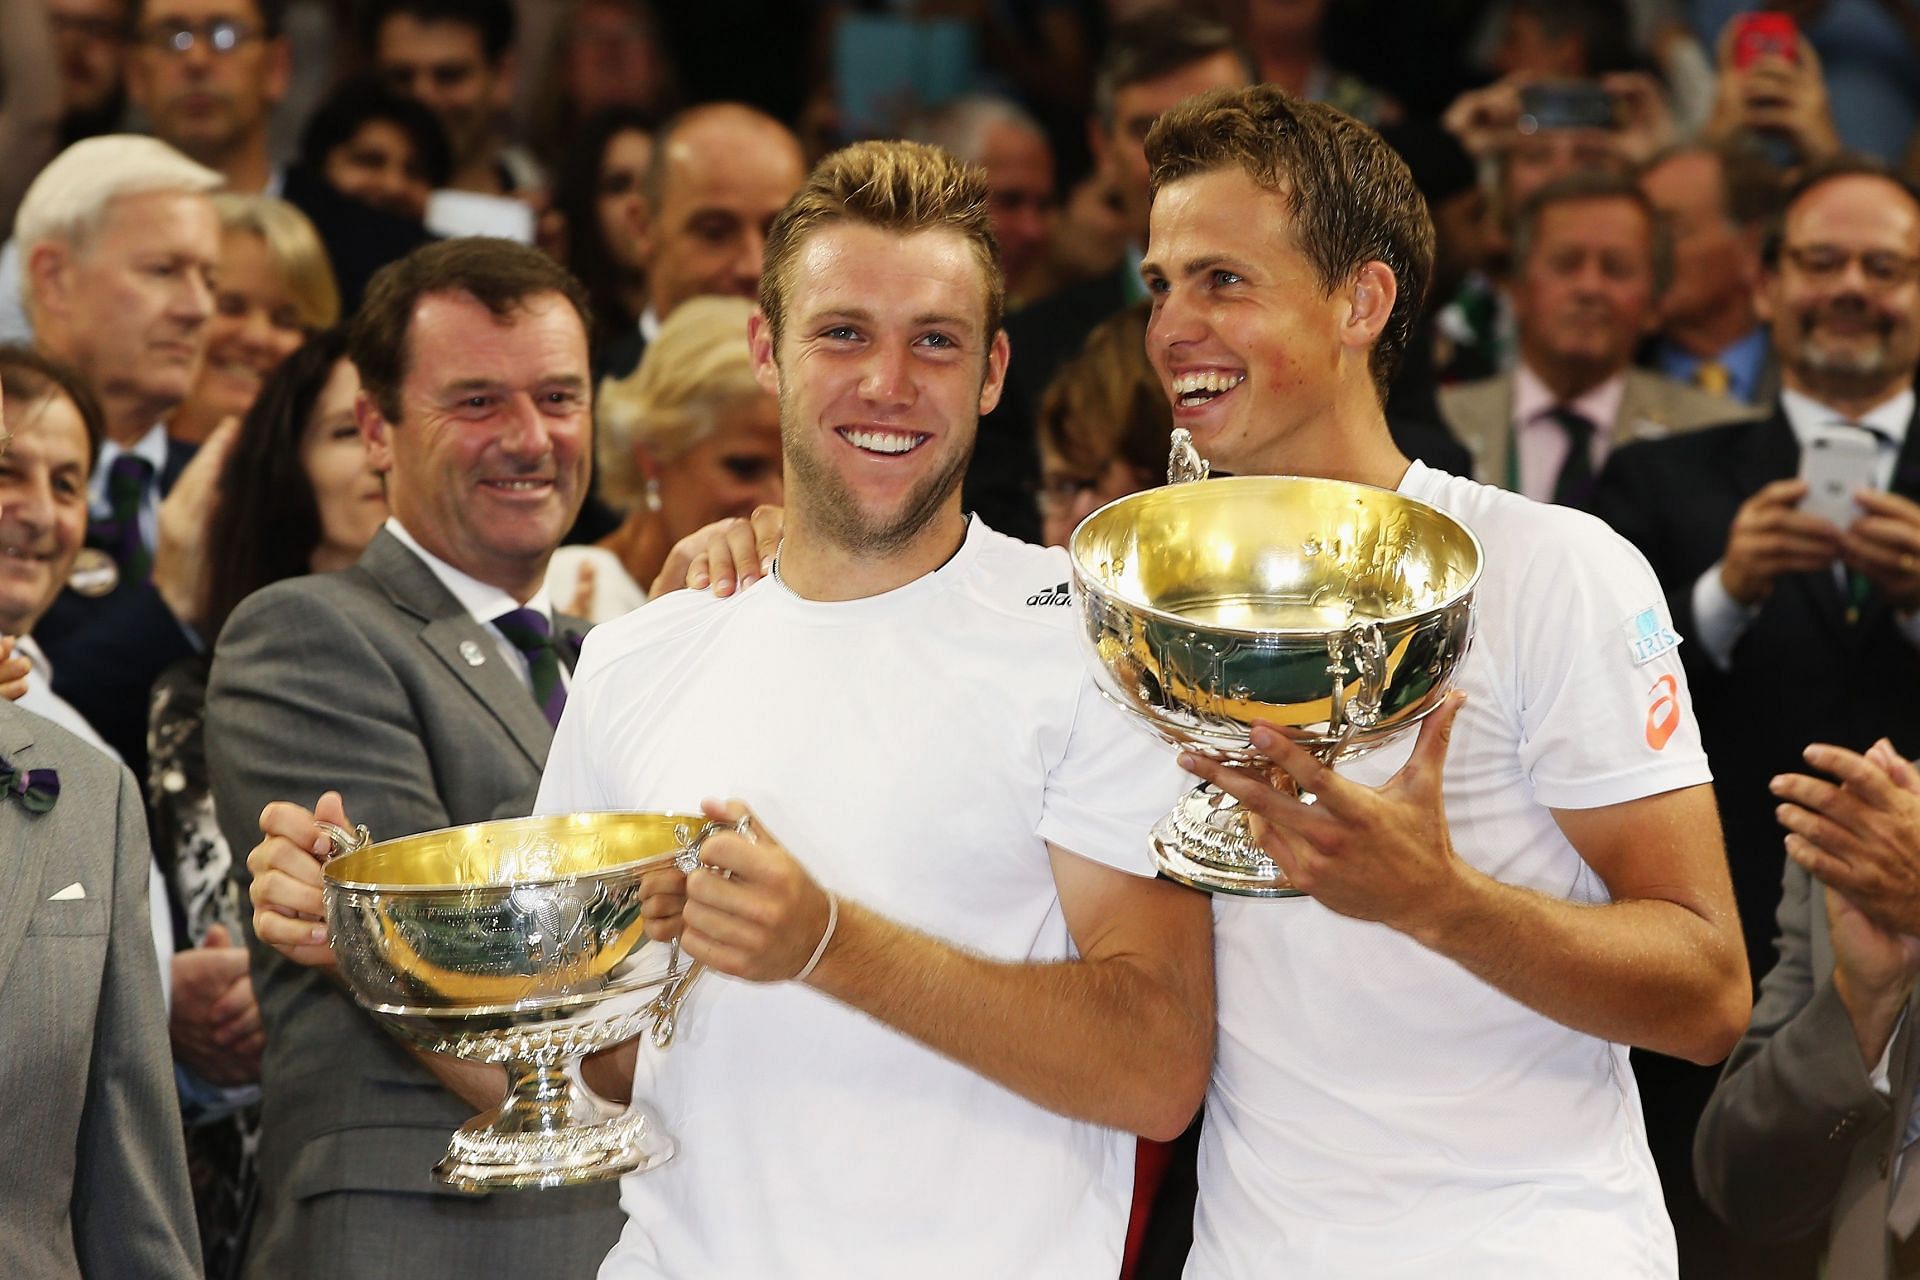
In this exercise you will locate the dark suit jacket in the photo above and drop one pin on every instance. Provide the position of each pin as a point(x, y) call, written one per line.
point(94, 1175)
point(1795, 1139)
point(1800, 672)
point(107, 651)
point(358, 680)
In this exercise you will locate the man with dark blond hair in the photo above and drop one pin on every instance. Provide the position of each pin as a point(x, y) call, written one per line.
point(1422, 1067)
point(948, 987)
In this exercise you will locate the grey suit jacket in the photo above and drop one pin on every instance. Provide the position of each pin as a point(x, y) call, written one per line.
point(93, 1173)
point(1796, 1140)
point(1481, 415)
point(364, 681)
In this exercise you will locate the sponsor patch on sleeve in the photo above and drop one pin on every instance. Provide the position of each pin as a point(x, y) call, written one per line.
point(1648, 637)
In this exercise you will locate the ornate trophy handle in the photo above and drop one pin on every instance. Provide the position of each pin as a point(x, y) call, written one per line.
point(1184, 462)
point(341, 841)
point(666, 1006)
point(1364, 644)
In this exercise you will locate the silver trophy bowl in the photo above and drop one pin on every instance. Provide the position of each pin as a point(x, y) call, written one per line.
point(520, 942)
point(1337, 612)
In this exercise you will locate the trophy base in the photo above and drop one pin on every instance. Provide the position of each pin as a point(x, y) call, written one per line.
point(1206, 842)
point(550, 1132)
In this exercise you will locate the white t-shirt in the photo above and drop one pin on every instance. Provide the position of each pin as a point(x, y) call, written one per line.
point(917, 751)
point(1378, 1112)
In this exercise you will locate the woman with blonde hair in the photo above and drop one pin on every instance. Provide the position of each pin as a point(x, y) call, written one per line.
point(686, 439)
point(275, 288)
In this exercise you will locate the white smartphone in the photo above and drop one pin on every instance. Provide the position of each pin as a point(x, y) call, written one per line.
point(1836, 464)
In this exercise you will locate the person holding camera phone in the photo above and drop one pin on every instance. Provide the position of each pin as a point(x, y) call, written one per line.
point(1802, 616)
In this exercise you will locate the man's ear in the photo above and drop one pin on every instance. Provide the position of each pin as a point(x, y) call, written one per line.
point(998, 354)
point(279, 69)
point(1763, 287)
point(49, 278)
point(506, 74)
point(766, 369)
point(1370, 300)
point(376, 431)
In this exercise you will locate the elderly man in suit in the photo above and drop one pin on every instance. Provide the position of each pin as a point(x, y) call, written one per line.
point(120, 244)
point(96, 1180)
point(1591, 258)
point(1810, 1131)
point(424, 683)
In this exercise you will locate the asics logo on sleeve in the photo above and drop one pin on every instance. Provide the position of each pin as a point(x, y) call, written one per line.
point(1051, 596)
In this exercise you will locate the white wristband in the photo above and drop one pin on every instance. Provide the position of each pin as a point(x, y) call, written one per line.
point(833, 921)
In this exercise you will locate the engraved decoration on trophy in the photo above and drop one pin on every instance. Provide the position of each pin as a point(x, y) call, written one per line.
point(520, 942)
point(1335, 611)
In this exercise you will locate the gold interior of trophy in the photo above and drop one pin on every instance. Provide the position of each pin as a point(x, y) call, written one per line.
point(515, 850)
point(1276, 554)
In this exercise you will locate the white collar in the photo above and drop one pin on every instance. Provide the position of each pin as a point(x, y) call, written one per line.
point(152, 446)
point(482, 600)
point(1888, 419)
point(649, 325)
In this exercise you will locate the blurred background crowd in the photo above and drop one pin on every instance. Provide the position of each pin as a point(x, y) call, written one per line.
point(1607, 179)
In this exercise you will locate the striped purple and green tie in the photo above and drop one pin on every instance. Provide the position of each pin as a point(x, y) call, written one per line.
point(532, 634)
point(118, 533)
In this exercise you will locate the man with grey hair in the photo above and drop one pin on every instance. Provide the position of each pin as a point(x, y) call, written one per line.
point(119, 243)
point(1591, 260)
point(1010, 145)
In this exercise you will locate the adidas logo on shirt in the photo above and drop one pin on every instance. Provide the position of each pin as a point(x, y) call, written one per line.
point(1051, 596)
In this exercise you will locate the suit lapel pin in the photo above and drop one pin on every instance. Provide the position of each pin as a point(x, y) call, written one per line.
point(470, 650)
point(94, 573)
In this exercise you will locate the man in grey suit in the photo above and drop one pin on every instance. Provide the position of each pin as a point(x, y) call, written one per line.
point(93, 1172)
point(1591, 259)
point(423, 683)
point(1811, 1128)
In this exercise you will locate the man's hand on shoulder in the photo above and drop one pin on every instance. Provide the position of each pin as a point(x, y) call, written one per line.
point(288, 912)
point(726, 555)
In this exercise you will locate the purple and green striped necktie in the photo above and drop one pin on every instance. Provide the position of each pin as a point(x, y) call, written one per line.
point(532, 634)
point(118, 533)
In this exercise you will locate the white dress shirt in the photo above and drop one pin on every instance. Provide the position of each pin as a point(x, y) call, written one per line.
point(485, 602)
point(1540, 443)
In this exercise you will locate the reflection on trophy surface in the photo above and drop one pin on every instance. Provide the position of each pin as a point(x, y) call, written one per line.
point(1336, 611)
point(520, 942)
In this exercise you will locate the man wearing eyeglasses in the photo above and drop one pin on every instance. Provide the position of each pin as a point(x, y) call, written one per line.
point(1802, 619)
point(207, 73)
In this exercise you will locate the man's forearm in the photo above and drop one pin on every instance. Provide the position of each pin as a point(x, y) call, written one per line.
point(1650, 973)
point(1122, 1040)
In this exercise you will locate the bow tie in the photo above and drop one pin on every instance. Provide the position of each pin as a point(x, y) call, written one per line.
point(37, 789)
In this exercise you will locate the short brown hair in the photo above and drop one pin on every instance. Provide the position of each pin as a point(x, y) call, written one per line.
point(498, 274)
point(1351, 197)
point(27, 377)
point(1847, 164)
point(1158, 43)
point(1596, 184)
point(903, 187)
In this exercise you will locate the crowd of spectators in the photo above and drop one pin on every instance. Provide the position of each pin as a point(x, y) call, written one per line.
point(1678, 254)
